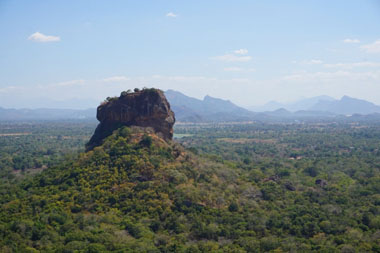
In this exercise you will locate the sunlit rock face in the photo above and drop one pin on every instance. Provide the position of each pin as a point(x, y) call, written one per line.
point(145, 108)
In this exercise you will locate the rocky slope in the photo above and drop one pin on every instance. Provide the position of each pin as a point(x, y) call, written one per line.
point(145, 108)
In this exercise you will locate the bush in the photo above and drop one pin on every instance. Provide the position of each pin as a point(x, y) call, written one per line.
point(146, 141)
point(233, 207)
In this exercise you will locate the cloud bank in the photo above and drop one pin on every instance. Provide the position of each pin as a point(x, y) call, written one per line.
point(351, 41)
point(39, 37)
point(373, 48)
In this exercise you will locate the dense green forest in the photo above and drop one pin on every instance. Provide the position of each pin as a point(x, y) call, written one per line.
point(28, 147)
point(216, 188)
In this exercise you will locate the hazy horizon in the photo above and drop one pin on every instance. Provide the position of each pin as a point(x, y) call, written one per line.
point(83, 104)
point(247, 52)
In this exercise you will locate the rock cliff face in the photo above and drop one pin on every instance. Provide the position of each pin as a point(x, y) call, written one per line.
point(145, 108)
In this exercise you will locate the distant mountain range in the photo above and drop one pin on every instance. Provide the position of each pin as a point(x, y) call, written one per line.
point(188, 109)
point(214, 109)
point(345, 106)
point(303, 104)
point(209, 109)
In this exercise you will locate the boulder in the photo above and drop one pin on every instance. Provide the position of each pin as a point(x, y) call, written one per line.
point(145, 108)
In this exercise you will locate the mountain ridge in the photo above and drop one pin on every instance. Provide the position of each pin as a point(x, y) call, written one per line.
point(210, 109)
point(347, 106)
point(299, 105)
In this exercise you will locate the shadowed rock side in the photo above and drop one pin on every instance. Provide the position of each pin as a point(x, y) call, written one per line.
point(145, 108)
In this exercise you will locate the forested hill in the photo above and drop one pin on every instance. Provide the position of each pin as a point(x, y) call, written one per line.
point(232, 193)
point(135, 192)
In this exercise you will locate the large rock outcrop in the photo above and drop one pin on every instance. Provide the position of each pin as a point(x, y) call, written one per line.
point(145, 108)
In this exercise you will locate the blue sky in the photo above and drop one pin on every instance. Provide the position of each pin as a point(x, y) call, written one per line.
point(249, 52)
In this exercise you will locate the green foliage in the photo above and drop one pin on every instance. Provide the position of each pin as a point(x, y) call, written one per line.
point(146, 141)
point(233, 207)
point(243, 188)
point(124, 93)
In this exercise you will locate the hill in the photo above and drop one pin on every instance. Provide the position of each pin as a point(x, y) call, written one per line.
point(308, 103)
point(300, 105)
point(206, 110)
point(134, 192)
point(317, 105)
point(347, 106)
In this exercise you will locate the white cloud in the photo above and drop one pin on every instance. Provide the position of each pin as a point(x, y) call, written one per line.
point(343, 76)
point(232, 58)
point(70, 83)
point(314, 62)
point(171, 15)
point(233, 69)
point(353, 65)
point(199, 80)
point(116, 79)
point(8, 89)
point(237, 69)
point(351, 41)
point(39, 37)
point(372, 48)
point(183, 78)
point(308, 62)
point(241, 51)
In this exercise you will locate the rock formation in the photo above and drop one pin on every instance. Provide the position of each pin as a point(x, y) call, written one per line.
point(145, 108)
